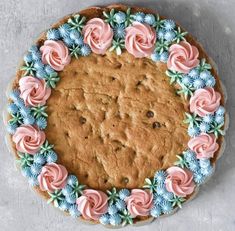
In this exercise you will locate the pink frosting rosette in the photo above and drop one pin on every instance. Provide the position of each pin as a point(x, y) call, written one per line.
point(205, 101)
point(56, 54)
point(179, 181)
point(92, 204)
point(140, 40)
point(203, 145)
point(28, 139)
point(33, 91)
point(182, 57)
point(52, 177)
point(139, 203)
point(98, 35)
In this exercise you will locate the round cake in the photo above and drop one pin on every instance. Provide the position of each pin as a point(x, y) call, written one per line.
point(116, 115)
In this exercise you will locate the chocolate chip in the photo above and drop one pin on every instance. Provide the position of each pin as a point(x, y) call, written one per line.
point(125, 180)
point(82, 120)
point(150, 114)
point(156, 125)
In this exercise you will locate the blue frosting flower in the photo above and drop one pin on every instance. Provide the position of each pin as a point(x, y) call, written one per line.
point(41, 74)
point(49, 70)
point(115, 219)
point(119, 31)
point(25, 111)
point(19, 102)
point(26, 172)
point(36, 56)
point(41, 123)
point(168, 196)
point(38, 65)
point(198, 177)
point(71, 199)
point(53, 34)
point(161, 33)
point(207, 171)
point(85, 50)
point(51, 157)
point(64, 30)
point(39, 159)
point(161, 190)
point(79, 41)
point(198, 83)
point(169, 24)
point(112, 209)
point(139, 17)
point(74, 34)
point(123, 193)
point(210, 82)
point(33, 48)
point(36, 168)
point(204, 127)
point(208, 118)
point(155, 57)
point(121, 205)
point(28, 58)
point(158, 200)
point(14, 95)
point(104, 219)
point(193, 131)
point(205, 75)
point(120, 17)
point(220, 110)
point(73, 211)
point(169, 36)
point(194, 73)
point(68, 41)
point(72, 180)
point(67, 190)
point(186, 80)
point(189, 156)
point(33, 181)
point(164, 56)
point(11, 128)
point(219, 119)
point(156, 211)
point(12, 108)
point(160, 176)
point(149, 19)
point(204, 163)
point(64, 205)
point(194, 166)
point(166, 207)
point(29, 120)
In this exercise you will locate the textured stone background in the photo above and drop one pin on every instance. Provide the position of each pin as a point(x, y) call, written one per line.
point(211, 21)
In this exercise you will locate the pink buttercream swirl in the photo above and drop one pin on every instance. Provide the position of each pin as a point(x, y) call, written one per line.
point(33, 91)
point(98, 35)
point(179, 181)
point(140, 40)
point(205, 101)
point(139, 203)
point(28, 139)
point(92, 204)
point(203, 145)
point(182, 57)
point(52, 177)
point(56, 54)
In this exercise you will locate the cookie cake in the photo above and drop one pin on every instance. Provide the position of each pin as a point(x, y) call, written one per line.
point(116, 115)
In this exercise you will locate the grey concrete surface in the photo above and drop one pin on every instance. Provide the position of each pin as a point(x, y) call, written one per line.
point(211, 21)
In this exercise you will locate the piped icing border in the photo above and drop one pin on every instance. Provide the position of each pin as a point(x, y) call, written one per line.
point(142, 35)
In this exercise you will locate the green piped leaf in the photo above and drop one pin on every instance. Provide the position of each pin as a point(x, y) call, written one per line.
point(39, 111)
point(177, 201)
point(181, 162)
point(150, 184)
point(28, 69)
point(162, 46)
point(192, 119)
point(179, 35)
point(77, 22)
point(112, 195)
point(217, 129)
point(117, 45)
point(175, 76)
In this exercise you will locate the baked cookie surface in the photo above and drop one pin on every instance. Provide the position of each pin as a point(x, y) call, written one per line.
point(140, 133)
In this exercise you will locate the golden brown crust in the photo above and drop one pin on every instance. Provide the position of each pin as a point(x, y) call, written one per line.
point(97, 12)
